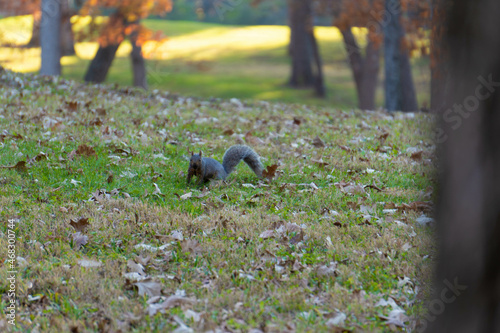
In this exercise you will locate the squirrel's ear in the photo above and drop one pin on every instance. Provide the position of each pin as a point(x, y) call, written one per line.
point(200, 153)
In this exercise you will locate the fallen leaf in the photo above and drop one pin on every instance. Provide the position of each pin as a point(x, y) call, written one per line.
point(79, 239)
point(89, 263)
point(19, 166)
point(84, 150)
point(318, 143)
point(417, 156)
point(270, 171)
point(80, 225)
point(267, 234)
point(148, 287)
point(170, 302)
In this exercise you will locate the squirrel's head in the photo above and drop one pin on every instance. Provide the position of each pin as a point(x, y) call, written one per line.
point(195, 161)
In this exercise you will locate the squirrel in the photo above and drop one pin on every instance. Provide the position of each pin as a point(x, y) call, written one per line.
point(206, 168)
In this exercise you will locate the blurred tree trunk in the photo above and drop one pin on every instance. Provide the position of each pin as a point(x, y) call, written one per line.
point(399, 89)
point(49, 38)
point(365, 70)
point(100, 65)
point(66, 34)
point(103, 59)
point(469, 202)
point(306, 61)
point(67, 38)
point(138, 63)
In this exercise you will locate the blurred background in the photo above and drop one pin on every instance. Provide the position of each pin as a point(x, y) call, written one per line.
point(342, 53)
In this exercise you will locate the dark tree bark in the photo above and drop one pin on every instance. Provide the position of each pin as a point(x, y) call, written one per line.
point(100, 65)
point(49, 38)
point(469, 203)
point(365, 70)
point(67, 38)
point(103, 59)
point(306, 60)
point(399, 89)
point(138, 63)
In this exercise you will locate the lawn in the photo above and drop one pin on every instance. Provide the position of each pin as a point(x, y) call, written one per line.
point(109, 237)
point(213, 60)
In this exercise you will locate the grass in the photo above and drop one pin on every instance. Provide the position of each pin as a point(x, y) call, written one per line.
point(213, 60)
point(288, 254)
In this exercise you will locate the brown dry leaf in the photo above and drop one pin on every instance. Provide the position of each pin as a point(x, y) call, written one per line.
point(148, 287)
point(318, 143)
point(298, 120)
point(96, 122)
point(135, 267)
point(228, 132)
point(84, 150)
point(143, 260)
point(345, 148)
point(100, 111)
point(80, 225)
point(192, 246)
point(19, 166)
point(40, 156)
point(72, 105)
point(79, 239)
point(253, 140)
point(110, 178)
point(297, 238)
point(383, 136)
point(270, 171)
point(267, 234)
point(417, 156)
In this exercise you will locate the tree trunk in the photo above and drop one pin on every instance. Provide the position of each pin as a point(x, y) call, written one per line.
point(365, 70)
point(49, 38)
point(439, 64)
point(399, 88)
point(467, 297)
point(138, 63)
point(319, 84)
point(67, 38)
point(35, 34)
point(100, 65)
point(300, 46)
point(307, 69)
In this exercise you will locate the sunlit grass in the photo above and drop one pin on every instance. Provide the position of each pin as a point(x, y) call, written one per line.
point(207, 60)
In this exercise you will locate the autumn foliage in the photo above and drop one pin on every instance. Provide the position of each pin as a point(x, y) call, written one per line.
point(125, 19)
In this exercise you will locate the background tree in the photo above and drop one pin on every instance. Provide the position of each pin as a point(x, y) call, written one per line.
point(469, 203)
point(365, 68)
point(49, 37)
point(32, 7)
point(307, 70)
point(124, 22)
point(399, 89)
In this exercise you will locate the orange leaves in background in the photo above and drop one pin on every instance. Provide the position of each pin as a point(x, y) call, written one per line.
point(125, 20)
point(371, 14)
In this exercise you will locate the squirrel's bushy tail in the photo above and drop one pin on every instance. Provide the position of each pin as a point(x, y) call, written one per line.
point(235, 154)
